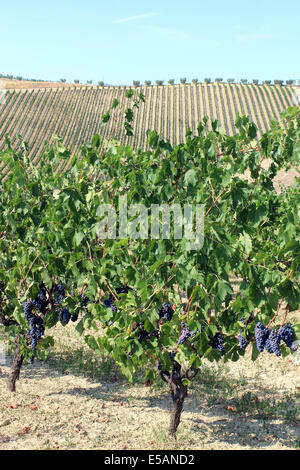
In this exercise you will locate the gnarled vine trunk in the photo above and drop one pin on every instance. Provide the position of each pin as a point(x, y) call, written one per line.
point(178, 392)
point(15, 367)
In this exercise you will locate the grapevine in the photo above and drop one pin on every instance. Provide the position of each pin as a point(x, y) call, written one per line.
point(152, 303)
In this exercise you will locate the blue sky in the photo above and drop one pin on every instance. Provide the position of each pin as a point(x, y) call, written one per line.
point(118, 42)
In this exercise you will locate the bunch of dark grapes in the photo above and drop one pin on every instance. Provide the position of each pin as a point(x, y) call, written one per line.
point(270, 340)
point(166, 312)
point(60, 293)
point(186, 334)
point(110, 303)
point(28, 307)
point(143, 334)
point(261, 334)
point(123, 290)
point(85, 300)
point(242, 341)
point(272, 343)
point(218, 343)
point(64, 316)
point(41, 300)
point(36, 330)
point(287, 335)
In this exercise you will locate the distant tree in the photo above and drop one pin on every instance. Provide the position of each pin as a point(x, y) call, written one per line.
point(63, 80)
point(230, 80)
point(19, 78)
point(159, 82)
point(101, 83)
point(219, 80)
point(89, 82)
point(244, 81)
point(195, 81)
point(207, 80)
point(256, 82)
point(183, 80)
point(171, 81)
point(278, 82)
point(289, 82)
point(267, 82)
point(147, 82)
point(136, 83)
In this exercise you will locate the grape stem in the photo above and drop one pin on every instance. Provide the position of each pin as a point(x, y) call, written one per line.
point(287, 308)
point(279, 305)
point(114, 296)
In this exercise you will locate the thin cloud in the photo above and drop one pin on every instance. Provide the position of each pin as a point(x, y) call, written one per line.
point(133, 18)
point(165, 32)
point(257, 36)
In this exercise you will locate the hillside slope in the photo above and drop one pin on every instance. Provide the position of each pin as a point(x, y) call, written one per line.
point(74, 112)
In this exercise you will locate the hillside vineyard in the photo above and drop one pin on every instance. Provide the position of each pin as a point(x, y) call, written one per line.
point(75, 113)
